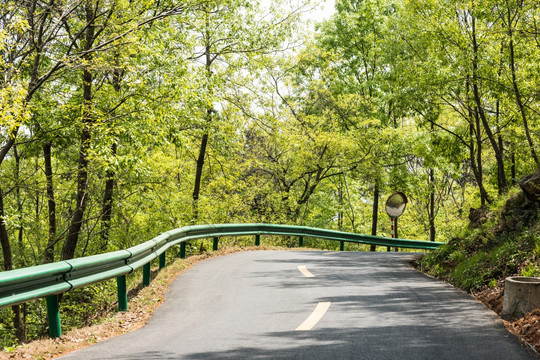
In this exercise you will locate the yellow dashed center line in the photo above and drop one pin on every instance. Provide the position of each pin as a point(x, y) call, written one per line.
point(315, 316)
point(303, 269)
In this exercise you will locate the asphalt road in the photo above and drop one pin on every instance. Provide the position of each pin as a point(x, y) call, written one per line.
point(369, 306)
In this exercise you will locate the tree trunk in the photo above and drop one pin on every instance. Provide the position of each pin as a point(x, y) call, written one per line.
point(375, 213)
point(72, 238)
point(20, 230)
point(431, 212)
point(198, 177)
point(519, 99)
point(500, 182)
point(4, 238)
point(476, 156)
point(106, 212)
point(48, 255)
point(479, 172)
point(340, 199)
point(501, 178)
point(70, 245)
point(204, 141)
point(513, 167)
point(18, 322)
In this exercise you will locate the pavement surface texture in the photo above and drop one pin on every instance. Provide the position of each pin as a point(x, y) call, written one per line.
point(247, 306)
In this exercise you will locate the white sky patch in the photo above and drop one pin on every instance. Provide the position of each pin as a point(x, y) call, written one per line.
point(322, 12)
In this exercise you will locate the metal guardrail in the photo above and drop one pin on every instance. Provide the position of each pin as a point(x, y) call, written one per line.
point(49, 280)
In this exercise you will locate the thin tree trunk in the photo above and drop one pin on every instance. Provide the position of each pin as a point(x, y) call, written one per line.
point(501, 178)
point(204, 142)
point(513, 166)
point(431, 205)
point(48, 255)
point(479, 172)
point(198, 177)
point(519, 99)
point(18, 323)
point(20, 229)
point(375, 213)
point(340, 198)
point(476, 156)
point(106, 212)
point(70, 245)
point(500, 182)
point(4, 237)
point(107, 205)
point(72, 238)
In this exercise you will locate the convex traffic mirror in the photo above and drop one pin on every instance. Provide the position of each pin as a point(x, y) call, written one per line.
point(395, 205)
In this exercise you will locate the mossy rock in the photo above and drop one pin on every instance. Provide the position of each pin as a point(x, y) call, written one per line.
point(517, 214)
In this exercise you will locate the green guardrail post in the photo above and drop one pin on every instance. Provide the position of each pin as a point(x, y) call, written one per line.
point(53, 315)
point(146, 274)
point(122, 293)
point(341, 245)
point(257, 240)
point(162, 261)
point(300, 241)
point(215, 244)
point(388, 249)
point(182, 253)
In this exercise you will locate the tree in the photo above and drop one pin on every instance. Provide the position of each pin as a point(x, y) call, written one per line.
point(225, 47)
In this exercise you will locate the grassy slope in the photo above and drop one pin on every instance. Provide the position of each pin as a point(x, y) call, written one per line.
point(502, 240)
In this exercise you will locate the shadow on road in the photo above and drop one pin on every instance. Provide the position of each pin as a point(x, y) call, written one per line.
point(396, 342)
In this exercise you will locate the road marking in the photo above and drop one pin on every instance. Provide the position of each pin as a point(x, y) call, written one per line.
point(315, 316)
point(303, 269)
point(331, 253)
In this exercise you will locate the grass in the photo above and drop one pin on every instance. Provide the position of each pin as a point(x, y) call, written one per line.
point(504, 243)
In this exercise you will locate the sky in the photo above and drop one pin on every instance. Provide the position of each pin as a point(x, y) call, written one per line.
point(324, 11)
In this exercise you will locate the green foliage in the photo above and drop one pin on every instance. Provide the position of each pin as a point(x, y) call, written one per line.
point(484, 255)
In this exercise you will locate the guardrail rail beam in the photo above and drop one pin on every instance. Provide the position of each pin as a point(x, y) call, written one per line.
point(49, 280)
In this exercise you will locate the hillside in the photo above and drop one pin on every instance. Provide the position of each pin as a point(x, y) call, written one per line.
point(501, 240)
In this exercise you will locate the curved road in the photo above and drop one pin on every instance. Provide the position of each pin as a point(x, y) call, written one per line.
point(313, 305)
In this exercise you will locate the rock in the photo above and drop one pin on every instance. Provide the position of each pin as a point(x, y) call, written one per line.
point(517, 213)
point(478, 217)
point(530, 185)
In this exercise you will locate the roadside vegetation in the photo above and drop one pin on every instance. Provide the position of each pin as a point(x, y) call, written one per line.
point(502, 240)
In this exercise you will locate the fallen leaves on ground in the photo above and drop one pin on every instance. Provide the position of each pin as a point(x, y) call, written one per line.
point(526, 328)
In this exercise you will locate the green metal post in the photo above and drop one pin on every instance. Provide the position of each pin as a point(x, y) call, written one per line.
point(162, 261)
point(122, 293)
point(300, 241)
point(388, 249)
point(341, 245)
point(146, 274)
point(257, 240)
point(215, 243)
point(182, 253)
point(53, 315)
